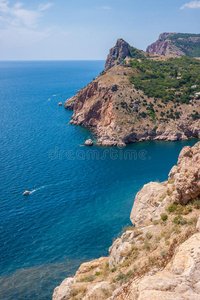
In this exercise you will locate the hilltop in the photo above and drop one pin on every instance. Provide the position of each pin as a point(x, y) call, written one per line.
point(140, 96)
point(176, 44)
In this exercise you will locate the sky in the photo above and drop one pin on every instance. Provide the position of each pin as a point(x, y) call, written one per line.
point(87, 29)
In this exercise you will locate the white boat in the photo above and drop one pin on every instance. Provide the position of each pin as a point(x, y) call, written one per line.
point(26, 193)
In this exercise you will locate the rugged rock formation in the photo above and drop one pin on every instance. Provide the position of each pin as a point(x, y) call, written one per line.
point(118, 112)
point(69, 104)
point(187, 176)
point(176, 44)
point(164, 46)
point(149, 203)
point(160, 257)
point(179, 280)
point(110, 105)
point(120, 51)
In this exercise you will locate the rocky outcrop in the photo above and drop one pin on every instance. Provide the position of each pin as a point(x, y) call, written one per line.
point(118, 113)
point(89, 143)
point(183, 186)
point(109, 106)
point(175, 44)
point(187, 176)
point(158, 258)
point(179, 280)
point(164, 46)
point(69, 104)
point(117, 53)
point(63, 291)
point(149, 203)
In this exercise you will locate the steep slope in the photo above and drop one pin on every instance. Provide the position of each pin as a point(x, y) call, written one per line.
point(176, 44)
point(120, 51)
point(159, 257)
point(140, 97)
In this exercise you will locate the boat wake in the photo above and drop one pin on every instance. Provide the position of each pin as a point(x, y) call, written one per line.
point(48, 185)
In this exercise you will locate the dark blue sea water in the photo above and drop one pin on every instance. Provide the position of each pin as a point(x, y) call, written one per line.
point(81, 197)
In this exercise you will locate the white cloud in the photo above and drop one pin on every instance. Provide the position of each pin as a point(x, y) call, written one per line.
point(17, 15)
point(45, 6)
point(192, 4)
point(20, 29)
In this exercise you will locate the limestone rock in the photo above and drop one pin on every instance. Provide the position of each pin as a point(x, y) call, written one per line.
point(187, 177)
point(172, 173)
point(147, 201)
point(89, 143)
point(90, 268)
point(179, 280)
point(118, 252)
point(60, 104)
point(100, 291)
point(62, 292)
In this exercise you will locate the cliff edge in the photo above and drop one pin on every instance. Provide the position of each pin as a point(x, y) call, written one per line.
point(157, 258)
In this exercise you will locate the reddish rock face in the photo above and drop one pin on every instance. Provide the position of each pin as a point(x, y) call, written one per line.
point(120, 51)
point(111, 106)
point(164, 46)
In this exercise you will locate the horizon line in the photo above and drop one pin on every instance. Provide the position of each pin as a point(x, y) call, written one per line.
point(16, 60)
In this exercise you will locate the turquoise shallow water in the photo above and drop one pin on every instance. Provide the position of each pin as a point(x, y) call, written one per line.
point(81, 197)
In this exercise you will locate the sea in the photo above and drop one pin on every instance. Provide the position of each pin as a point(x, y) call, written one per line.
point(81, 198)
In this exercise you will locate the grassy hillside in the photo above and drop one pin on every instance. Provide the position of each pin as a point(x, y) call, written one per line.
point(174, 80)
point(188, 43)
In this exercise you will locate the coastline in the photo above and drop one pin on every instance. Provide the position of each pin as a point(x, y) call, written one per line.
point(166, 223)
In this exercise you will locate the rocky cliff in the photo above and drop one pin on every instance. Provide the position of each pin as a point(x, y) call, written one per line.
point(157, 258)
point(176, 44)
point(140, 97)
point(117, 53)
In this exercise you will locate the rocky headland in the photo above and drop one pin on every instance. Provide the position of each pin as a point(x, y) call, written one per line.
point(139, 97)
point(159, 256)
point(176, 44)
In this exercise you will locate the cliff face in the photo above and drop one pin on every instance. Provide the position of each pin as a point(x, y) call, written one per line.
point(176, 44)
point(157, 259)
point(120, 51)
point(120, 112)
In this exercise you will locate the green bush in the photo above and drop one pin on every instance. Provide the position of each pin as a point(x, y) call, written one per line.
point(113, 270)
point(172, 208)
point(179, 220)
point(197, 204)
point(88, 279)
point(164, 217)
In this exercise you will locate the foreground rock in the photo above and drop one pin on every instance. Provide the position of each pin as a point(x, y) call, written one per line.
point(157, 259)
point(63, 291)
point(179, 280)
